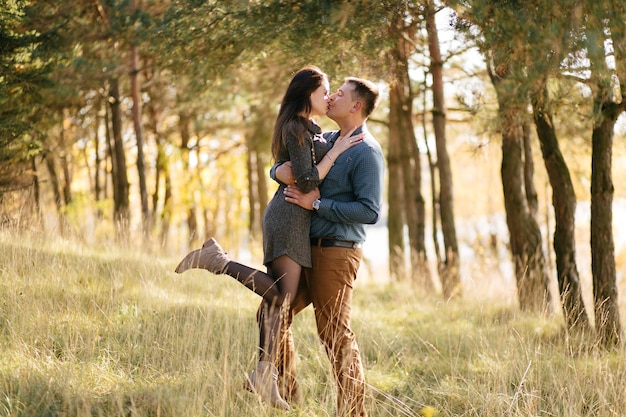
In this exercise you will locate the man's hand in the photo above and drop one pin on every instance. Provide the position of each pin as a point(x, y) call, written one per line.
point(284, 174)
point(295, 196)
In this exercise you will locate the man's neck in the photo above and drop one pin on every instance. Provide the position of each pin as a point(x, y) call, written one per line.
point(344, 128)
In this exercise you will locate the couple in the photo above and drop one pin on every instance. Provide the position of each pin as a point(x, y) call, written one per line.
point(312, 229)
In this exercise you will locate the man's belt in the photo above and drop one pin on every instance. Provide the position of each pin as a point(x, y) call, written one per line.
point(329, 242)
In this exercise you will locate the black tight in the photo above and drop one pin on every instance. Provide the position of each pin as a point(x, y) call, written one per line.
point(277, 287)
point(257, 281)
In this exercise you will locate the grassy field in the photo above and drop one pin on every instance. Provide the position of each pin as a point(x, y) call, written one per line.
point(113, 333)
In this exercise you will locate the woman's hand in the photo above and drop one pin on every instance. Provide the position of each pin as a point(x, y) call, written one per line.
point(346, 142)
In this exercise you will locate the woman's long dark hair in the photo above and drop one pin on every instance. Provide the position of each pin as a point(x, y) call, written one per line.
point(297, 100)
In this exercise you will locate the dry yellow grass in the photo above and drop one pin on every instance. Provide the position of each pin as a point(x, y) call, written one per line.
point(113, 333)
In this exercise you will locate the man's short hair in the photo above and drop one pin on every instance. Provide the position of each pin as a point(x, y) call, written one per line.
point(366, 91)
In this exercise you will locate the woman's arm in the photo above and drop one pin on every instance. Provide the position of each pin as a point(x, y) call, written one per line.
point(342, 144)
point(308, 176)
point(283, 172)
point(305, 173)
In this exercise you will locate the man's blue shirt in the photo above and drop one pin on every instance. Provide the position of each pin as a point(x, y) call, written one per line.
point(351, 193)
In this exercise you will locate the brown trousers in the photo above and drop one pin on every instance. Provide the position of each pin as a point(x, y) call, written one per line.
point(328, 285)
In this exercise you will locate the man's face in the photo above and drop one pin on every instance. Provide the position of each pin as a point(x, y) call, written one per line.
point(340, 103)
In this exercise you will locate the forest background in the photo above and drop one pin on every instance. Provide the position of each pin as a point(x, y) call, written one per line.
point(145, 126)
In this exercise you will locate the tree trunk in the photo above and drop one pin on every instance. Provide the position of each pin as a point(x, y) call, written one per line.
point(67, 177)
point(606, 307)
point(401, 124)
point(395, 197)
point(120, 181)
point(56, 189)
point(412, 196)
point(529, 172)
point(110, 152)
point(141, 170)
point(262, 192)
point(65, 164)
point(421, 271)
point(449, 270)
point(257, 142)
point(564, 204)
point(254, 222)
point(36, 191)
point(84, 152)
point(608, 104)
point(97, 159)
point(257, 188)
point(192, 220)
point(525, 236)
point(607, 107)
point(524, 233)
point(158, 174)
point(162, 171)
point(432, 166)
point(168, 204)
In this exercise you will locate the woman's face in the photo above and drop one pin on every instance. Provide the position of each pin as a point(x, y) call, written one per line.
point(319, 99)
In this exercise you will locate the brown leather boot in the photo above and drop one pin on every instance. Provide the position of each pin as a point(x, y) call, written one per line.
point(210, 257)
point(262, 381)
point(290, 390)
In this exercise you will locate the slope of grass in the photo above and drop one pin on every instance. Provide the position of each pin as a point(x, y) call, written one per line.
point(116, 333)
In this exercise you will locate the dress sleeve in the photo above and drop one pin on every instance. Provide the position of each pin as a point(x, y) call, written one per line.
point(304, 171)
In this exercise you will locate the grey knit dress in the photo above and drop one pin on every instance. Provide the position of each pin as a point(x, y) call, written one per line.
point(286, 225)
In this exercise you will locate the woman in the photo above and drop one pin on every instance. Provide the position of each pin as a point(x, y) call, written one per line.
point(286, 244)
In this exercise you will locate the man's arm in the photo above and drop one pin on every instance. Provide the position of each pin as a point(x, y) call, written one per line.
point(281, 172)
point(364, 205)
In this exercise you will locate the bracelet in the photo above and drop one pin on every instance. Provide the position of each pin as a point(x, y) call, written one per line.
point(331, 159)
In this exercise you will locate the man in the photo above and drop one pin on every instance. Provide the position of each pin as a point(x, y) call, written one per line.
point(349, 198)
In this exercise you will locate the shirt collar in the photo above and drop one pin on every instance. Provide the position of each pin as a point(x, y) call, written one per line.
point(335, 135)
